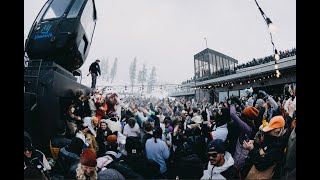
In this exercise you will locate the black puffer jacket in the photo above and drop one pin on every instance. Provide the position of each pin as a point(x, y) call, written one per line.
point(273, 148)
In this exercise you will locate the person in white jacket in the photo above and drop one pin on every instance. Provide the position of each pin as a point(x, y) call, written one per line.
point(221, 163)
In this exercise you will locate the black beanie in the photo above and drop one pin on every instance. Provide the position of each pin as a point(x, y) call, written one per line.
point(27, 141)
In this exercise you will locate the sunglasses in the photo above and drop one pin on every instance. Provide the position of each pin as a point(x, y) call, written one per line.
point(28, 149)
point(213, 155)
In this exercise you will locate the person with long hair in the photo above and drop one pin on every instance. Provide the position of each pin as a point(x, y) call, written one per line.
point(87, 168)
point(157, 149)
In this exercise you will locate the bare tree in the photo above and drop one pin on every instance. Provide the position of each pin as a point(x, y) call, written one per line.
point(152, 80)
point(105, 69)
point(113, 70)
point(132, 72)
point(144, 73)
point(142, 76)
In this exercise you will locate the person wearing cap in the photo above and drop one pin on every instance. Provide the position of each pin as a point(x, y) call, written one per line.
point(87, 168)
point(221, 163)
point(94, 70)
point(267, 155)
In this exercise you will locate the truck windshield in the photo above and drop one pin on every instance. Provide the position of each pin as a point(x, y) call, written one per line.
point(56, 9)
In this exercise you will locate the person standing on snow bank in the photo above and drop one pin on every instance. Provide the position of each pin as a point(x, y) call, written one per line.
point(94, 70)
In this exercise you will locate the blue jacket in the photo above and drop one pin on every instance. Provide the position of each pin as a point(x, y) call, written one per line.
point(158, 152)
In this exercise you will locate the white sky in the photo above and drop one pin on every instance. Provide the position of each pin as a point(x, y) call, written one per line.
point(168, 33)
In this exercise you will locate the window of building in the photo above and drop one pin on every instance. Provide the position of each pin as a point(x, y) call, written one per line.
point(234, 93)
point(223, 96)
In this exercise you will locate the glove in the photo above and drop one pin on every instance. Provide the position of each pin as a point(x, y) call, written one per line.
point(265, 95)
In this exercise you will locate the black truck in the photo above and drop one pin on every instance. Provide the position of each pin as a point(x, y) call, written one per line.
point(56, 47)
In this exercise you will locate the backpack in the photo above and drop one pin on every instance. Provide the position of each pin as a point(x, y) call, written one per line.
point(133, 146)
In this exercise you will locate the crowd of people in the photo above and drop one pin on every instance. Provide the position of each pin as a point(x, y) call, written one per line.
point(109, 137)
point(254, 62)
point(223, 72)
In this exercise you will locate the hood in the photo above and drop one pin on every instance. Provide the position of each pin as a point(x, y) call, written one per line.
point(223, 126)
point(87, 121)
point(104, 161)
point(69, 155)
point(228, 162)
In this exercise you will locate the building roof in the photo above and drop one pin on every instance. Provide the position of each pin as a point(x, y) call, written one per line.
point(208, 50)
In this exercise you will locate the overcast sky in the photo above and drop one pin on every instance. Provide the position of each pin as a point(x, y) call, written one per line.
point(168, 33)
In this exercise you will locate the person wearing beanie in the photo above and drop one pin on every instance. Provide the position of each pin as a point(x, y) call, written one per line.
point(34, 158)
point(151, 121)
point(265, 157)
point(259, 103)
point(251, 112)
point(87, 168)
point(112, 148)
point(221, 163)
point(112, 139)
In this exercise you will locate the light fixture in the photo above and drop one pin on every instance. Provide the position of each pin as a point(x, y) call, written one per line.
point(276, 66)
point(278, 73)
point(276, 55)
point(270, 28)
